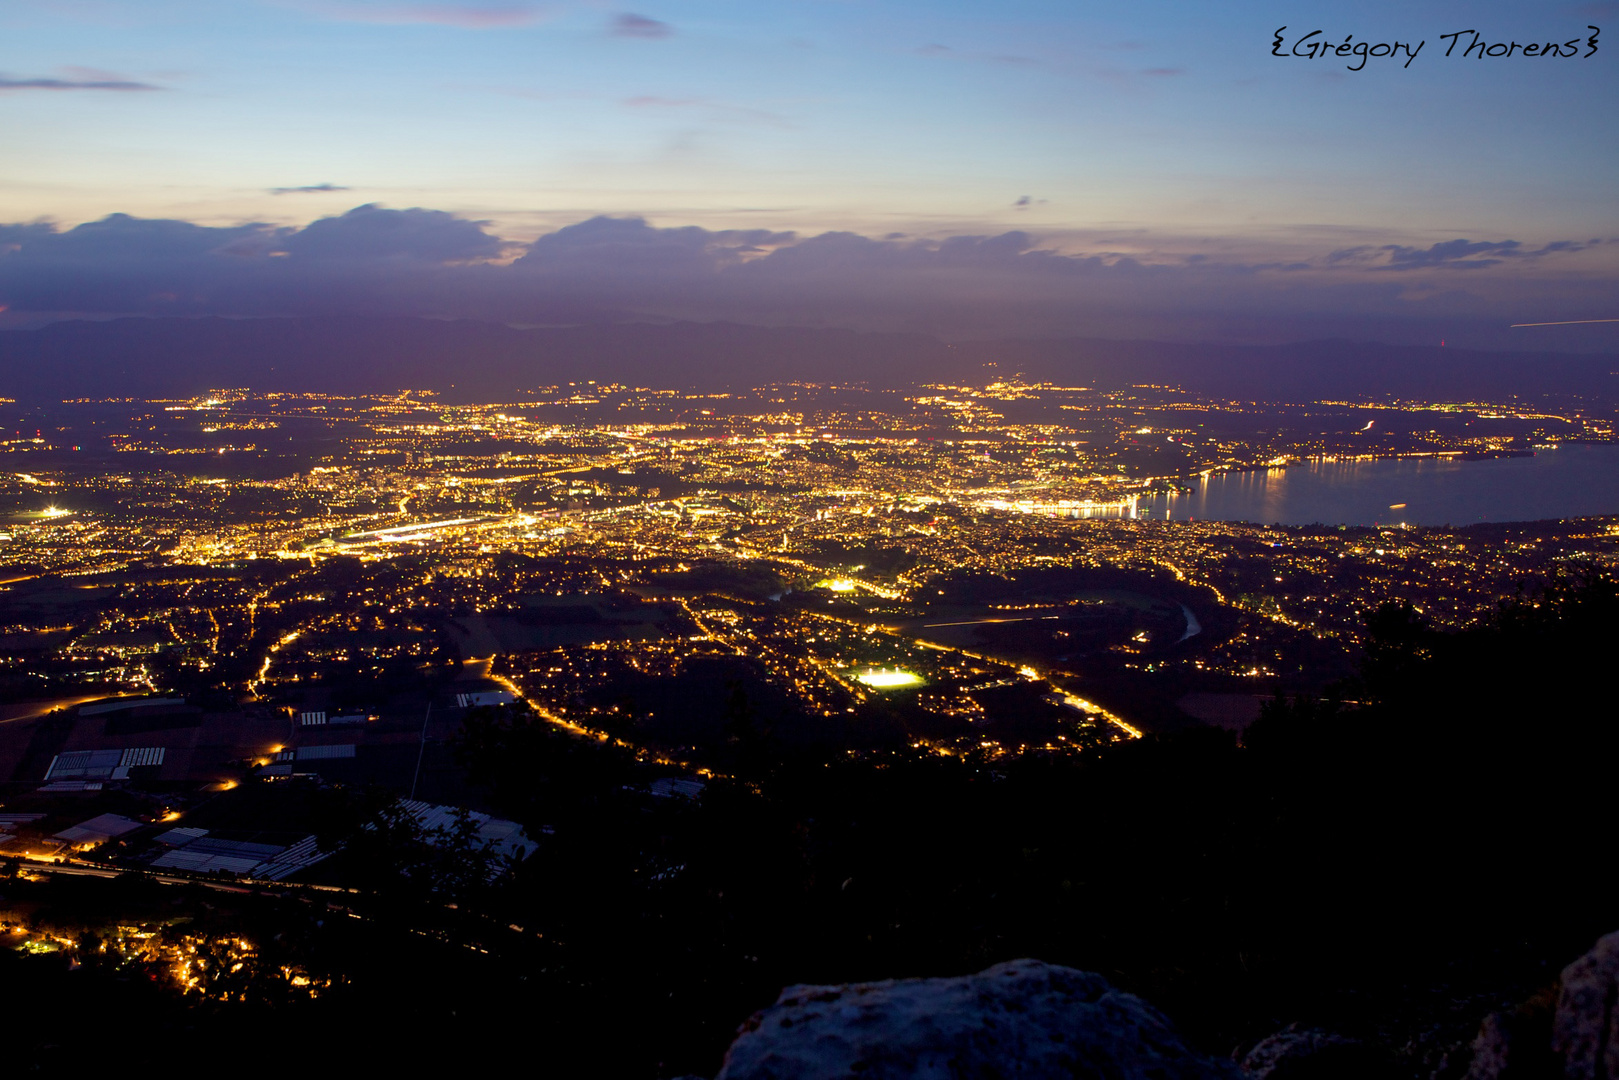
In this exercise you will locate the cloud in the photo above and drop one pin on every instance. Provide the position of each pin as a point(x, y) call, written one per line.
point(475, 17)
point(1446, 255)
point(613, 250)
point(371, 232)
point(379, 261)
point(306, 189)
point(100, 81)
point(639, 26)
point(1452, 254)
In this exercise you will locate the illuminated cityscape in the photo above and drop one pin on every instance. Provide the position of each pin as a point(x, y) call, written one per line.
point(805, 541)
point(840, 544)
point(400, 665)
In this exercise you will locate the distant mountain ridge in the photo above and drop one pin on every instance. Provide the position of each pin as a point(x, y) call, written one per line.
point(473, 361)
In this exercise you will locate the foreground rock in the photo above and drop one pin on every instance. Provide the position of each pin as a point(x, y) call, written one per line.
point(1585, 1030)
point(1514, 1045)
point(1300, 1053)
point(1023, 1020)
point(1570, 1032)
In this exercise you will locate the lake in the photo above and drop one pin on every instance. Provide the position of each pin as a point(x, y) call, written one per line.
point(1579, 480)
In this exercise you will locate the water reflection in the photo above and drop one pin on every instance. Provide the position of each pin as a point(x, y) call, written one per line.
point(1571, 481)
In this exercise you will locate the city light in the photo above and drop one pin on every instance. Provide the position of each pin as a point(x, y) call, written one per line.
point(839, 546)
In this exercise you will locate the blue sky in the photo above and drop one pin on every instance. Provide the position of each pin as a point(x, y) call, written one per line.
point(1164, 131)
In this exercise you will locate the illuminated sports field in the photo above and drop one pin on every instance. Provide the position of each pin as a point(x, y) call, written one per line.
point(884, 679)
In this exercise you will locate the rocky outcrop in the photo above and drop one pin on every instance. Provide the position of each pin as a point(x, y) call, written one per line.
point(1022, 1020)
point(1567, 1032)
point(1585, 1030)
point(1515, 1044)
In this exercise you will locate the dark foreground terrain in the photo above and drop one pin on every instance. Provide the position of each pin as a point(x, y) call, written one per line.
point(1391, 862)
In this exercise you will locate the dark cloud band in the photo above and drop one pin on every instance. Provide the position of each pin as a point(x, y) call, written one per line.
point(7, 84)
point(375, 260)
